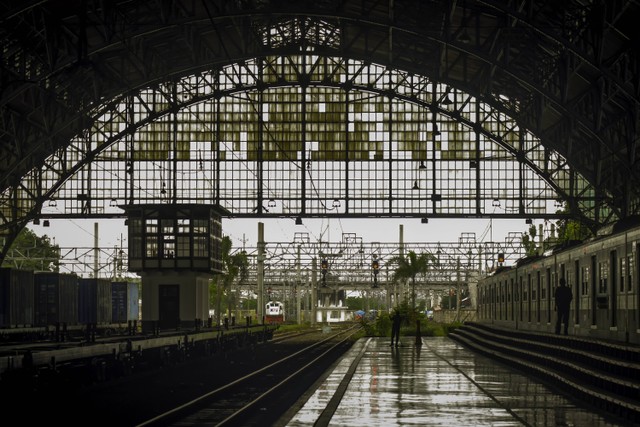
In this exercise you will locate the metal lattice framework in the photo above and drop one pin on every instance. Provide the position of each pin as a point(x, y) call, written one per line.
point(349, 261)
point(254, 140)
point(319, 108)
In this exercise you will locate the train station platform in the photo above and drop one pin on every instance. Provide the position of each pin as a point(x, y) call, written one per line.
point(437, 383)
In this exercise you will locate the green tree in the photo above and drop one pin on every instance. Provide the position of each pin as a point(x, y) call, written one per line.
point(565, 230)
point(32, 252)
point(529, 241)
point(571, 230)
point(235, 267)
point(410, 266)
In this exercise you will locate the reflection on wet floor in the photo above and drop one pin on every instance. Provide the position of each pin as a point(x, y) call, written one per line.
point(438, 383)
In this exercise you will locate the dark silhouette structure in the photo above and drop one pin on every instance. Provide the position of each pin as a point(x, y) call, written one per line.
point(563, 297)
point(395, 328)
point(70, 76)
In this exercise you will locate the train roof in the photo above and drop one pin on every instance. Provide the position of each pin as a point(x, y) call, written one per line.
point(619, 226)
point(528, 259)
point(562, 246)
point(500, 269)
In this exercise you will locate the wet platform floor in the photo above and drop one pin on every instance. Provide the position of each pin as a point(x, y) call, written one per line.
point(440, 383)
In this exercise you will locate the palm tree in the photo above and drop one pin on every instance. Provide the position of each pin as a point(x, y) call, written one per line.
point(233, 266)
point(410, 267)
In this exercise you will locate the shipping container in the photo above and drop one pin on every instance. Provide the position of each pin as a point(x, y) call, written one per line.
point(56, 298)
point(16, 298)
point(94, 301)
point(124, 301)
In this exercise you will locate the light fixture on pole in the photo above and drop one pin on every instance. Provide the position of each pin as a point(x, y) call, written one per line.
point(446, 99)
point(464, 37)
point(375, 265)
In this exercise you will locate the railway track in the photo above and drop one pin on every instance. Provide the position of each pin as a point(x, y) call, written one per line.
point(260, 397)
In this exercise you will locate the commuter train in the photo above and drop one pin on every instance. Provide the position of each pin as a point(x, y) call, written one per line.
point(274, 312)
point(602, 272)
point(35, 299)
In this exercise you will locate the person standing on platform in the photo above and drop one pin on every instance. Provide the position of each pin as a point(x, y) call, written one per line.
point(563, 298)
point(395, 327)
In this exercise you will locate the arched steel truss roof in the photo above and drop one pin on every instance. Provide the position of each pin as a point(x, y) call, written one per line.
point(566, 71)
point(283, 136)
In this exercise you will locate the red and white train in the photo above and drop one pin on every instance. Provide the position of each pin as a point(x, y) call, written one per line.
point(274, 312)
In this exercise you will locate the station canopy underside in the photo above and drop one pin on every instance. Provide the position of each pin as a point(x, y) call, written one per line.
point(350, 109)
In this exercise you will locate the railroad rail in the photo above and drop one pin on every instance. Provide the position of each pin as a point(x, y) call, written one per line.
point(264, 392)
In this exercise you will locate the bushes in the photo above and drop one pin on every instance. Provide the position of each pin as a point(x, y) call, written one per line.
point(377, 328)
point(428, 328)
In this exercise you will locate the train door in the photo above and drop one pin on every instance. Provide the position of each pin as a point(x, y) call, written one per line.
point(636, 268)
point(628, 302)
point(538, 297)
point(169, 306)
point(529, 307)
point(549, 293)
point(521, 298)
point(594, 281)
point(496, 304)
point(576, 290)
point(613, 293)
point(563, 273)
point(502, 301)
point(512, 299)
point(505, 303)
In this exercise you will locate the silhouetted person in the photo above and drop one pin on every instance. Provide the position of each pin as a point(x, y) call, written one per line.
point(563, 298)
point(395, 327)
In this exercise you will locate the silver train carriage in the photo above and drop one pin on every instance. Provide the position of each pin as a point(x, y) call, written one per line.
point(603, 274)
